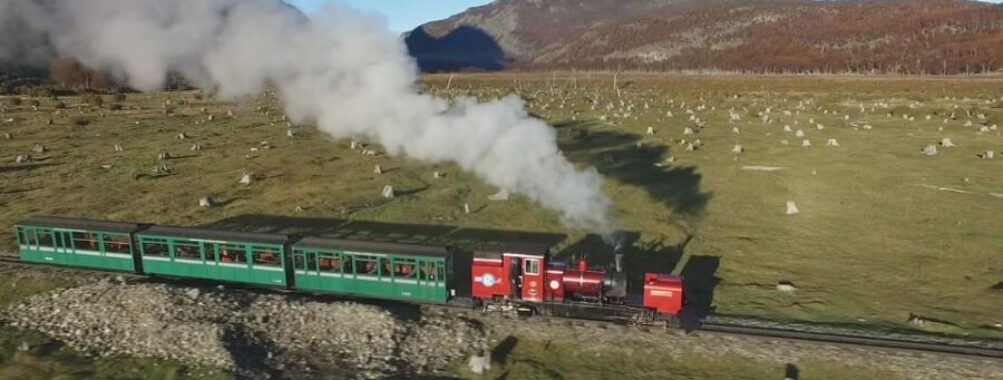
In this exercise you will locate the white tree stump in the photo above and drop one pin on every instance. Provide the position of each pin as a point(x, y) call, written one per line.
point(792, 208)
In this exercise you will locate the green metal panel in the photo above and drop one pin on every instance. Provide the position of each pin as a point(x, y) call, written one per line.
point(206, 260)
point(56, 246)
point(312, 273)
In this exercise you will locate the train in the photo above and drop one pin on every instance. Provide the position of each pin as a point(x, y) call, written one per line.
point(518, 278)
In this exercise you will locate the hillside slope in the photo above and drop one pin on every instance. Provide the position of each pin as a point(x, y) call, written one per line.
point(897, 36)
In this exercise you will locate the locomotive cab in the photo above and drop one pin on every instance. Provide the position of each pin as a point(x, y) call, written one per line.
point(509, 274)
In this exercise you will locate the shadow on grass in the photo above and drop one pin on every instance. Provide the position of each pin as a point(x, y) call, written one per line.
point(23, 168)
point(699, 281)
point(616, 154)
point(501, 352)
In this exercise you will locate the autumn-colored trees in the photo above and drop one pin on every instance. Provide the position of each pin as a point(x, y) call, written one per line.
point(70, 73)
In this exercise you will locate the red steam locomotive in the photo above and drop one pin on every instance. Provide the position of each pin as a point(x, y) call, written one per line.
point(528, 281)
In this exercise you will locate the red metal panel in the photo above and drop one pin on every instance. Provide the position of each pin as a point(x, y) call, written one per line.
point(583, 283)
point(663, 293)
point(555, 284)
point(490, 279)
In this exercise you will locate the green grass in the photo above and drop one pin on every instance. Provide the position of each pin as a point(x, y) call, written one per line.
point(871, 246)
point(551, 360)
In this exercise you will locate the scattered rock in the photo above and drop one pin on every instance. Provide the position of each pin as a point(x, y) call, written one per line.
point(39, 148)
point(737, 149)
point(377, 170)
point(388, 192)
point(832, 142)
point(23, 159)
point(163, 156)
point(206, 202)
point(947, 143)
point(763, 168)
point(930, 150)
point(204, 325)
point(786, 287)
point(501, 195)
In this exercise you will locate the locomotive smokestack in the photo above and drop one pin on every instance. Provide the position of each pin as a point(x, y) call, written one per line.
point(618, 259)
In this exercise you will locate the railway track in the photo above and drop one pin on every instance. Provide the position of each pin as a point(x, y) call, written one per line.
point(705, 327)
point(853, 340)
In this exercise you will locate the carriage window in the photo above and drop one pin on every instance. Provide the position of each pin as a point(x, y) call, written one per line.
point(85, 241)
point(116, 244)
point(404, 268)
point(30, 238)
point(209, 252)
point(231, 253)
point(155, 248)
point(298, 260)
point(366, 265)
point(440, 271)
point(329, 263)
point(533, 267)
point(22, 237)
point(185, 250)
point(45, 239)
point(266, 257)
point(347, 265)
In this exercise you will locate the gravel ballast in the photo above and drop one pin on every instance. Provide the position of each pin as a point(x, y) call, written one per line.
point(252, 334)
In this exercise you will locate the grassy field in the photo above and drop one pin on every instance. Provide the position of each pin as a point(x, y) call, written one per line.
point(879, 236)
point(554, 360)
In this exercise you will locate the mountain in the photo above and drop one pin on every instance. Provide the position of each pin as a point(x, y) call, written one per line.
point(896, 36)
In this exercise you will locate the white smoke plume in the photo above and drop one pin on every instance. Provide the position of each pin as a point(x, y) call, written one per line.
point(341, 70)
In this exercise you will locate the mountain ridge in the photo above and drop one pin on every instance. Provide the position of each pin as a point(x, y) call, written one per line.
point(886, 36)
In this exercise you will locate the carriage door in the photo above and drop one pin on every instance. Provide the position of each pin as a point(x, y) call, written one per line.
point(515, 277)
point(532, 279)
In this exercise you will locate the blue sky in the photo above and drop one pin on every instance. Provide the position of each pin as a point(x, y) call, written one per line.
point(402, 15)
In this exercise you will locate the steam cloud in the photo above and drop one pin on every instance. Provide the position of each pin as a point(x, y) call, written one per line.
point(341, 70)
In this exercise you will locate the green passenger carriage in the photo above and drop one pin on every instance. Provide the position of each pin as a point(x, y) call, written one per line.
point(249, 258)
point(405, 272)
point(77, 242)
point(383, 270)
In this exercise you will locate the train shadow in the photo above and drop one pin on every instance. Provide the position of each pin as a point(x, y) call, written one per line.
point(624, 156)
point(699, 281)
